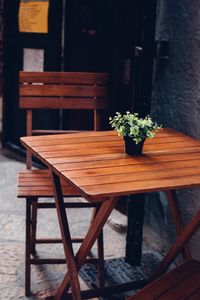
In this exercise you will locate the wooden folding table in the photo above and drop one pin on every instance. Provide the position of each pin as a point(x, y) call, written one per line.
point(95, 164)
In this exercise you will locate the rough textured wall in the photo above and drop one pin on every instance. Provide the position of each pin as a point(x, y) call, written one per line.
point(176, 103)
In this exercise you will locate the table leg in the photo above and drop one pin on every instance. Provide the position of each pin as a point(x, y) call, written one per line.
point(66, 238)
point(100, 251)
point(176, 216)
point(177, 247)
point(99, 221)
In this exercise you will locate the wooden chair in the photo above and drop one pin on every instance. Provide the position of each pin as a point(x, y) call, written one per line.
point(55, 90)
point(181, 283)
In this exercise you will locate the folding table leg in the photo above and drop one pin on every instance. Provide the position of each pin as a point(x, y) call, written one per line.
point(66, 238)
point(100, 253)
point(177, 247)
point(173, 203)
point(96, 227)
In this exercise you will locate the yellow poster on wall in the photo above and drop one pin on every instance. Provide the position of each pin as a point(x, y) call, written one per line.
point(33, 16)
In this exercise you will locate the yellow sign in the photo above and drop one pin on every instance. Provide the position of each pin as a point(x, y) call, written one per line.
point(33, 16)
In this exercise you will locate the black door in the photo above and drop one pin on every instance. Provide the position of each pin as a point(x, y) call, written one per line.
point(89, 35)
point(90, 43)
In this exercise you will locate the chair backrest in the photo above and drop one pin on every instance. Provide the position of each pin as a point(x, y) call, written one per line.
point(62, 90)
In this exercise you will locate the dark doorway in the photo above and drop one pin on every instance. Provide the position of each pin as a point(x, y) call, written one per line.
point(90, 42)
point(89, 35)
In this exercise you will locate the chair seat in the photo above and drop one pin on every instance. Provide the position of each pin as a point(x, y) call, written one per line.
point(37, 183)
point(181, 283)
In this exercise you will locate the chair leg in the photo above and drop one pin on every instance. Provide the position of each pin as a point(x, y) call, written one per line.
point(28, 248)
point(34, 225)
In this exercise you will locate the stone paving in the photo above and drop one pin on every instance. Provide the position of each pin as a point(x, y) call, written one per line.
point(12, 231)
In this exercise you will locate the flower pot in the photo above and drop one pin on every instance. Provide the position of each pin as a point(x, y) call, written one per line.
point(131, 148)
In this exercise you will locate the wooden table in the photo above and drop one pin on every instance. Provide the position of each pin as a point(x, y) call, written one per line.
point(95, 164)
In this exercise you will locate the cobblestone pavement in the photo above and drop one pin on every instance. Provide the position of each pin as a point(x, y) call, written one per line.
point(12, 231)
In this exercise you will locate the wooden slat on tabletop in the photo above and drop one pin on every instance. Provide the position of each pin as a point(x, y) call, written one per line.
point(93, 179)
point(73, 146)
point(70, 138)
point(98, 136)
point(88, 137)
point(62, 150)
point(60, 155)
point(113, 141)
point(124, 188)
point(111, 154)
point(126, 170)
point(182, 159)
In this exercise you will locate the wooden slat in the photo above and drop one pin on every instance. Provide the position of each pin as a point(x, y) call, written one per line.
point(110, 147)
point(181, 159)
point(194, 296)
point(131, 173)
point(103, 142)
point(62, 103)
point(71, 138)
point(91, 137)
point(113, 141)
point(63, 90)
point(182, 283)
point(56, 156)
point(184, 288)
point(124, 188)
point(64, 77)
point(165, 133)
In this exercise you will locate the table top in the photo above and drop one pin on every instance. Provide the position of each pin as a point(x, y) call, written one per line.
point(97, 166)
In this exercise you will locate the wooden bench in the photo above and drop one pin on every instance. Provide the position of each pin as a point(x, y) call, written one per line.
point(55, 90)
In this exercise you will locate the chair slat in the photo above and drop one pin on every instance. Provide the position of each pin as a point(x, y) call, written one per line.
point(63, 90)
point(62, 103)
point(66, 78)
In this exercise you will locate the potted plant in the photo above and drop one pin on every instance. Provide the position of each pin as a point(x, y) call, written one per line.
point(135, 130)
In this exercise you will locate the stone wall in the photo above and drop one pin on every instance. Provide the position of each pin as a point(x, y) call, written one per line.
point(176, 104)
